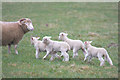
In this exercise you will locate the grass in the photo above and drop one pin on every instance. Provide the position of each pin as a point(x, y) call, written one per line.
point(78, 20)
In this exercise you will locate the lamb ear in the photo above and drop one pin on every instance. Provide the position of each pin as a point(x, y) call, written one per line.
point(90, 42)
point(37, 37)
point(49, 37)
point(66, 34)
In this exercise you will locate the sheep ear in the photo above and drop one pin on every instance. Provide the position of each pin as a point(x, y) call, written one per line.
point(38, 37)
point(90, 41)
point(21, 21)
point(49, 37)
point(66, 34)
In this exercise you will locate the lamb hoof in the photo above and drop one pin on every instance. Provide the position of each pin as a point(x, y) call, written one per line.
point(16, 53)
point(44, 58)
point(84, 59)
point(101, 65)
point(36, 57)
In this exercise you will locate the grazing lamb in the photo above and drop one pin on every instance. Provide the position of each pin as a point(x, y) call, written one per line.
point(75, 45)
point(97, 52)
point(56, 46)
point(41, 47)
point(12, 32)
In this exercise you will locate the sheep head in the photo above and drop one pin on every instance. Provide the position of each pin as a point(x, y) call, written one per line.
point(46, 39)
point(33, 39)
point(62, 35)
point(27, 22)
point(87, 42)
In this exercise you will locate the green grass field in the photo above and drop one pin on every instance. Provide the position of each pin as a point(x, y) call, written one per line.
point(78, 20)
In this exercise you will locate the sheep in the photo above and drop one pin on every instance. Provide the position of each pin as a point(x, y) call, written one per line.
point(56, 46)
point(97, 52)
point(12, 32)
point(75, 45)
point(41, 47)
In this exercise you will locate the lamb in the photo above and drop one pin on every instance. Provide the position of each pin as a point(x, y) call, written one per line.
point(97, 52)
point(56, 46)
point(12, 32)
point(41, 47)
point(75, 45)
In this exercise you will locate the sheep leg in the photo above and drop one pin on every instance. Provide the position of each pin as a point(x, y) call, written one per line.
point(52, 57)
point(56, 55)
point(101, 60)
point(86, 57)
point(37, 54)
point(108, 59)
point(84, 51)
point(61, 55)
point(48, 52)
point(66, 56)
point(90, 58)
point(16, 49)
point(9, 49)
point(74, 53)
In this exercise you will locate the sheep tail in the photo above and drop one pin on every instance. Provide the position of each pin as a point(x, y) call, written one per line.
point(108, 59)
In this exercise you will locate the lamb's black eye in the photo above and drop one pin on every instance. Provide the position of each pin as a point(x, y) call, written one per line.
point(45, 39)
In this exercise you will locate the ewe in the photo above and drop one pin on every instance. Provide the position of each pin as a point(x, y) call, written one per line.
point(56, 46)
point(97, 52)
point(12, 32)
point(75, 45)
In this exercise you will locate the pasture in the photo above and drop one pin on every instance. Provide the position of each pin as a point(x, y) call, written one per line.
point(84, 21)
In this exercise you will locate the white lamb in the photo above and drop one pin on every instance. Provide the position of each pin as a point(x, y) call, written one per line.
point(56, 46)
point(41, 47)
point(97, 52)
point(75, 45)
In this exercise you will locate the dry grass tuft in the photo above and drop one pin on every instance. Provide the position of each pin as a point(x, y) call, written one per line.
point(92, 34)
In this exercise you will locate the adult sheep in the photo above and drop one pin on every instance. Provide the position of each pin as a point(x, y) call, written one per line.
point(12, 32)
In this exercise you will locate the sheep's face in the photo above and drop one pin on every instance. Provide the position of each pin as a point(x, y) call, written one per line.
point(27, 22)
point(62, 36)
point(46, 39)
point(33, 39)
point(87, 43)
